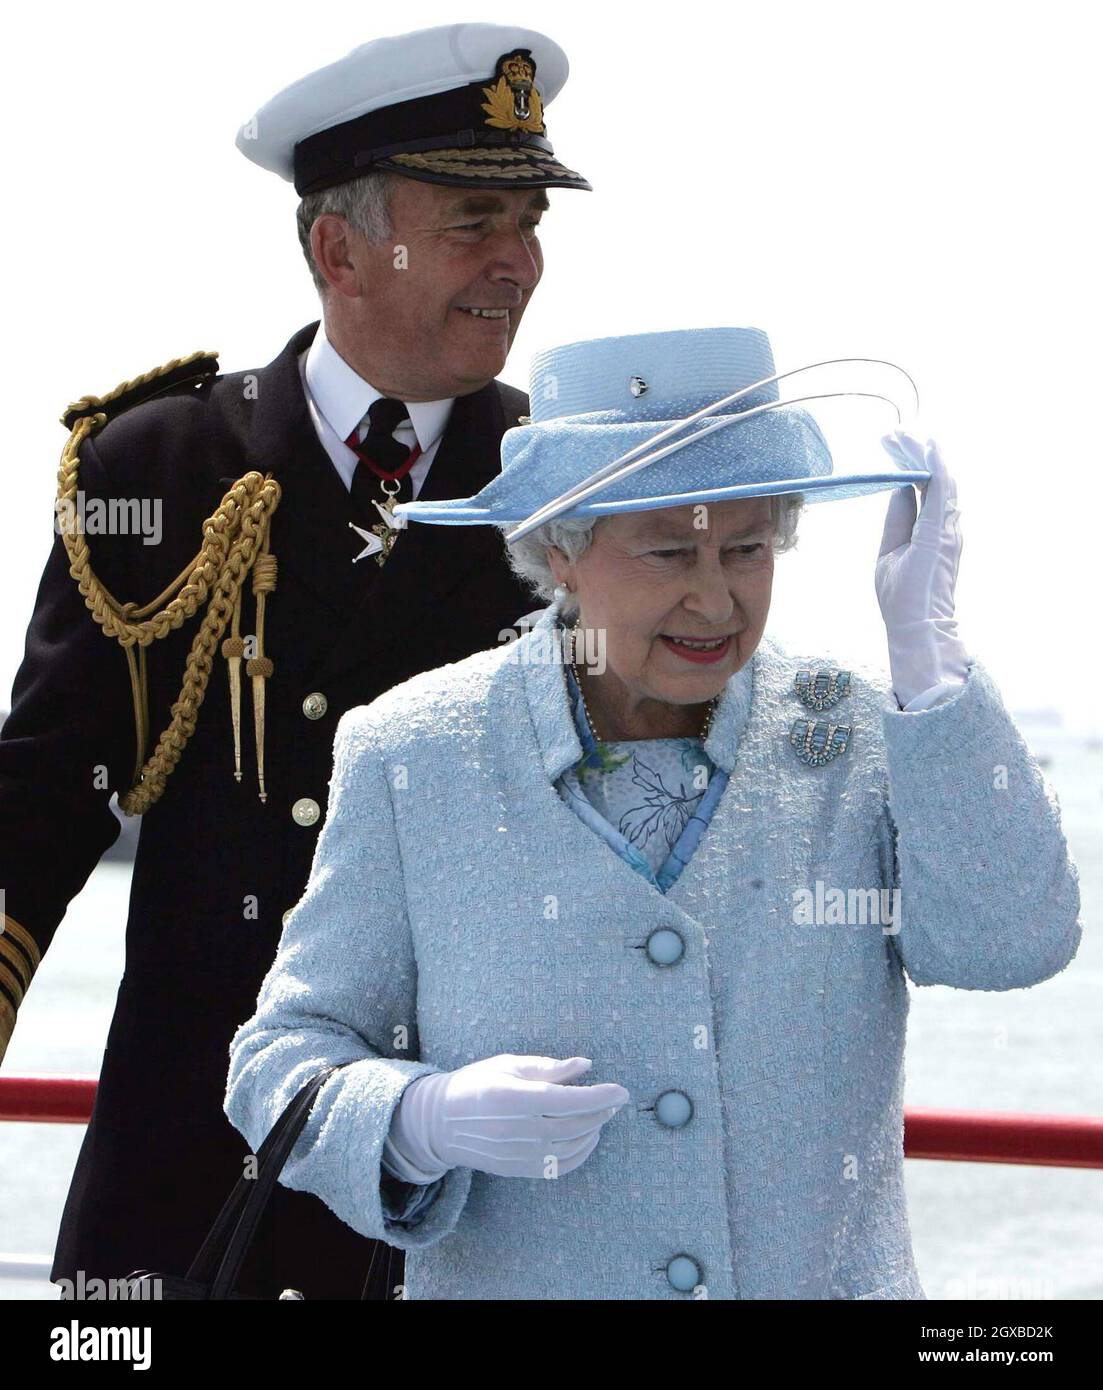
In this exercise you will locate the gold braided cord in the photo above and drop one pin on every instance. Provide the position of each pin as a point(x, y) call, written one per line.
point(233, 536)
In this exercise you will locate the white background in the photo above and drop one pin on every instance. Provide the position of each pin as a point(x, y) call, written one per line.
point(916, 182)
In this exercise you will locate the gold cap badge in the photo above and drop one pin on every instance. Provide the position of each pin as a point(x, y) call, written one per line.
point(513, 103)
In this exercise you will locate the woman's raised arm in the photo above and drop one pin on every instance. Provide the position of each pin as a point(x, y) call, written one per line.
point(989, 894)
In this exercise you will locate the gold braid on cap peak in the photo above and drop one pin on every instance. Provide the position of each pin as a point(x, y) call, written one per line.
point(235, 541)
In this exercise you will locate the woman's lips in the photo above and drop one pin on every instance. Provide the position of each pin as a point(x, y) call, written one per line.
point(702, 656)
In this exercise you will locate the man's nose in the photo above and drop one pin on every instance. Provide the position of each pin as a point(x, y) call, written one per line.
point(515, 260)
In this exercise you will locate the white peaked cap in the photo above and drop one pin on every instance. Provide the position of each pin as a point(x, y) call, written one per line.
point(458, 104)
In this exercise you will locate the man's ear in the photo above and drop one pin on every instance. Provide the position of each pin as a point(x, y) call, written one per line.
point(330, 247)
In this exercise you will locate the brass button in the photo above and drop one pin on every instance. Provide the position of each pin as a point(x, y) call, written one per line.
point(305, 811)
point(285, 916)
point(315, 705)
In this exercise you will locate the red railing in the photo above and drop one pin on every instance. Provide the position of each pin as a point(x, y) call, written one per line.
point(51, 1100)
point(987, 1136)
point(962, 1136)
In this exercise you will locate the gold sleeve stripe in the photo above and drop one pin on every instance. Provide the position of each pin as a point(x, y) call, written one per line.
point(22, 937)
point(11, 985)
point(7, 1025)
point(13, 956)
point(18, 949)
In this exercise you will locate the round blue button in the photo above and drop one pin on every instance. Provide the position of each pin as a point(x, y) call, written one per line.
point(665, 946)
point(674, 1109)
point(683, 1273)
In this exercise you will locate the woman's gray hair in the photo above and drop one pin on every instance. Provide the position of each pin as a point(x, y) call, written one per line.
point(365, 203)
point(528, 557)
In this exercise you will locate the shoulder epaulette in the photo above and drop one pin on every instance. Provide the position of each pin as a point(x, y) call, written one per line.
point(181, 371)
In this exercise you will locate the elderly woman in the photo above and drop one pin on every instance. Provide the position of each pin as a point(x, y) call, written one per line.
point(607, 927)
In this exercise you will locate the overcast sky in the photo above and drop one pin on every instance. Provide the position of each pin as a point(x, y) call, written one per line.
point(910, 181)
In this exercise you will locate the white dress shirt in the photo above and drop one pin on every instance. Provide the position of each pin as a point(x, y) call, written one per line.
point(338, 398)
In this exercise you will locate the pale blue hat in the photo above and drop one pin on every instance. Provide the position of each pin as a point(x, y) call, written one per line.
point(593, 402)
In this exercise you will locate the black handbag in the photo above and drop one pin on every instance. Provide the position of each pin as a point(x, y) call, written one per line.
point(215, 1269)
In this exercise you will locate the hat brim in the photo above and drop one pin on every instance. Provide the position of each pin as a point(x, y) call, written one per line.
point(780, 451)
point(498, 166)
point(833, 489)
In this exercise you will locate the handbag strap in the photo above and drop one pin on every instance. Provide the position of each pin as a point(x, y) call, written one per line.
point(235, 1225)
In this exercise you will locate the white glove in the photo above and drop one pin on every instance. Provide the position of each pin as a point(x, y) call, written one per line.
point(915, 578)
point(505, 1115)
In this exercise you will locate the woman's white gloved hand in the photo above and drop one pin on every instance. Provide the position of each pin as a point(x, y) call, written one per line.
point(916, 574)
point(507, 1115)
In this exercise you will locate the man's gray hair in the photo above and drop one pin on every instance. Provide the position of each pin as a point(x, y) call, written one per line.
point(365, 203)
point(528, 557)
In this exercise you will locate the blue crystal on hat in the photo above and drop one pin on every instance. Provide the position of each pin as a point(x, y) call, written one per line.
point(681, 370)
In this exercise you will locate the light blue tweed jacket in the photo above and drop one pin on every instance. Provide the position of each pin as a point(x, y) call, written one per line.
point(457, 908)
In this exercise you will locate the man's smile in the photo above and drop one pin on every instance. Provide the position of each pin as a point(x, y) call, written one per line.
point(484, 313)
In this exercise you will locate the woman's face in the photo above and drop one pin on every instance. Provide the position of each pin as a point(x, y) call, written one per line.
point(698, 572)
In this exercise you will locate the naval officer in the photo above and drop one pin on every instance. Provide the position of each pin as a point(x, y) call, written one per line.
point(285, 595)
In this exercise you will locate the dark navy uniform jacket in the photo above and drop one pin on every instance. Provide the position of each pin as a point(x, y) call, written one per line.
point(159, 1155)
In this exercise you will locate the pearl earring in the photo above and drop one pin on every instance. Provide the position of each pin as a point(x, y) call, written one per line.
point(560, 592)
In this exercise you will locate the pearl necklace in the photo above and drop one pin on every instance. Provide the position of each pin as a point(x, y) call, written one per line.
point(586, 709)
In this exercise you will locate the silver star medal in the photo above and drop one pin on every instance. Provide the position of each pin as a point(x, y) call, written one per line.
point(380, 539)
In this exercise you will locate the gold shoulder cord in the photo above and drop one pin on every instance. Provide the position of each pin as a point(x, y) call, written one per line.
point(235, 541)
